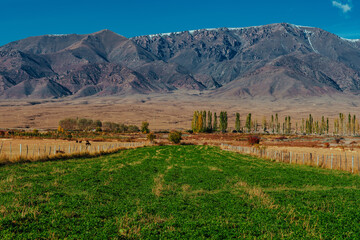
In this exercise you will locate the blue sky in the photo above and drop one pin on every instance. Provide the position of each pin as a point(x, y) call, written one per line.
point(23, 18)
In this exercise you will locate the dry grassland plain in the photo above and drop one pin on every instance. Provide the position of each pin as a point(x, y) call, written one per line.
point(167, 111)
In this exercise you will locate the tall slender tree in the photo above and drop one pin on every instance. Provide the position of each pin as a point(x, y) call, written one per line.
point(215, 124)
point(327, 125)
point(277, 123)
point(223, 121)
point(264, 124)
point(194, 123)
point(353, 125)
point(209, 125)
point(237, 122)
point(341, 123)
point(248, 123)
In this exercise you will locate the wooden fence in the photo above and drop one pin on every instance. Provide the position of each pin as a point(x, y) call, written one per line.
point(11, 150)
point(346, 161)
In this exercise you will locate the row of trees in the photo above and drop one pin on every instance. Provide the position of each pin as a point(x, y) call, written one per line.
point(84, 124)
point(206, 121)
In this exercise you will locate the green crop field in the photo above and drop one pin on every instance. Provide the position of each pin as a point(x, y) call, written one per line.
point(173, 192)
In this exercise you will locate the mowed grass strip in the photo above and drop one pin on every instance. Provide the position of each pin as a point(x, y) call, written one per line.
point(190, 192)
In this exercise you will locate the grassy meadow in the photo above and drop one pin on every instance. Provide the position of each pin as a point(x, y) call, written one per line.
point(174, 192)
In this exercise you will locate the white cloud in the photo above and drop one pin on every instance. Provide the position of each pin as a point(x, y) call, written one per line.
point(344, 7)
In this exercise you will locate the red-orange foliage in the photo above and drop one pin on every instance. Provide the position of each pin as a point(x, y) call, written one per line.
point(253, 140)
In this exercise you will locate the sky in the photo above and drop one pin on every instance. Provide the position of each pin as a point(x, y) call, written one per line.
point(24, 18)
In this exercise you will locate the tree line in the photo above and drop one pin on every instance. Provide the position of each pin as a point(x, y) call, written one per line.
point(84, 124)
point(207, 121)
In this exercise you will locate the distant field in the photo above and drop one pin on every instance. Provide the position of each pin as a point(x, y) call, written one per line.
point(174, 192)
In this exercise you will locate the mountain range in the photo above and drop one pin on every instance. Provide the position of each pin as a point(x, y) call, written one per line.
point(277, 60)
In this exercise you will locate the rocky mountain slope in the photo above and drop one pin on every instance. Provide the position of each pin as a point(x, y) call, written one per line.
point(277, 60)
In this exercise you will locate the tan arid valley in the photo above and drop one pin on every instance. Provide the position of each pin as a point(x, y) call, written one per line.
point(163, 111)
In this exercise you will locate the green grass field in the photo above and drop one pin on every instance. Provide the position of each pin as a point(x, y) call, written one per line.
point(172, 192)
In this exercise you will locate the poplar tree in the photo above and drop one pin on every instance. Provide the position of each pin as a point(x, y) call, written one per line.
point(199, 126)
point(336, 126)
point(264, 124)
point(302, 127)
point(277, 124)
point(248, 123)
point(327, 125)
point(237, 122)
point(223, 121)
point(215, 124)
point(349, 125)
point(272, 124)
point(209, 125)
point(203, 128)
point(194, 122)
point(323, 125)
point(288, 125)
point(341, 123)
point(309, 125)
point(353, 124)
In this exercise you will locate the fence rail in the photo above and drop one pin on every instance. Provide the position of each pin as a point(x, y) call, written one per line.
point(345, 161)
point(12, 151)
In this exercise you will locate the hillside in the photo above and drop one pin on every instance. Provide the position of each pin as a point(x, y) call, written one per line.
point(276, 60)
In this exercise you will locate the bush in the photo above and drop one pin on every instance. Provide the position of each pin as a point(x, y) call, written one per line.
point(175, 137)
point(133, 128)
point(151, 137)
point(145, 127)
point(253, 140)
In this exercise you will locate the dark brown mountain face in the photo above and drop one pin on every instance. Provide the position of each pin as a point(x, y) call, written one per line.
point(277, 60)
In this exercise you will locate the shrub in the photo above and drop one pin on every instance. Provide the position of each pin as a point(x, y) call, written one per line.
point(327, 145)
point(133, 128)
point(337, 140)
point(145, 127)
point(253, 140)
point(175, 137)
point(151, 137)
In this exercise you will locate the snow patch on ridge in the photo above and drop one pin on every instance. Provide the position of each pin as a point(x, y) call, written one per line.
point(217, 29)
point(350, 40)
point(308, 34)
point(57, 35)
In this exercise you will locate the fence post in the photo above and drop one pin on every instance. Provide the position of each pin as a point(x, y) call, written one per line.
point(303, 158)
point(290, 157)
point(27, 150)
point(345, 162)
point(340, 161)
point(317, 163)
point(69, 149)
point(331, 161)
point(20, 149)
point(352, 164)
